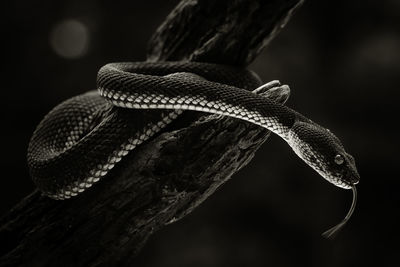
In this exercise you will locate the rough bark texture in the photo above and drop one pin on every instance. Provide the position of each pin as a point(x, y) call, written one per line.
point(166, 178)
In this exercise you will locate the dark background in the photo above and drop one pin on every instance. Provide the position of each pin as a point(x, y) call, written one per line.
point(342, 61)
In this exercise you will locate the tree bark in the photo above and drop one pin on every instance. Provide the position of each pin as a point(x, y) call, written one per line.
point(167, 177)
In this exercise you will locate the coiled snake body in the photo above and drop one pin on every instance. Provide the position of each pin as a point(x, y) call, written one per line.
point(80, 140)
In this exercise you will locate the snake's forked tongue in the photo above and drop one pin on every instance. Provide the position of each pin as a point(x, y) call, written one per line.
point(331, 233)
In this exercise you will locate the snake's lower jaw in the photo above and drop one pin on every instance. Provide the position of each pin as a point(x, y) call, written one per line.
point(336, 180)
point(347, 180)
point(347, 183)
point(343, 181)
point(341, 184)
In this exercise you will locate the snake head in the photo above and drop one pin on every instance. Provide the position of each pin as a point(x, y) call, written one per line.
point(324, 152)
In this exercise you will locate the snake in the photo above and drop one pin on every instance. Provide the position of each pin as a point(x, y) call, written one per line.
point(83, 138)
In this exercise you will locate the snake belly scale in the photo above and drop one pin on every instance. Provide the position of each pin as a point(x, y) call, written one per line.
point(81, 139)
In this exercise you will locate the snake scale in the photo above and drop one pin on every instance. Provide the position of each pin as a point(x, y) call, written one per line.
point(80, 140)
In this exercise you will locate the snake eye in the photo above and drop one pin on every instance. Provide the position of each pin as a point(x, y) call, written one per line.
point(339, 159)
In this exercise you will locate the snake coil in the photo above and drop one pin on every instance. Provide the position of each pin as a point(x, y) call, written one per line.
point(83, 138)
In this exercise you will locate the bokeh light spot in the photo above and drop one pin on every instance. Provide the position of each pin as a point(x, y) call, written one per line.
point(70, 39)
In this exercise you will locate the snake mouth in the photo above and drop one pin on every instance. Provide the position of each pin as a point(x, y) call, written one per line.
point(352, 177)
point(347, 181)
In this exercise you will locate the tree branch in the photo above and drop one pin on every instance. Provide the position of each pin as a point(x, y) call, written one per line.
point(166, 178)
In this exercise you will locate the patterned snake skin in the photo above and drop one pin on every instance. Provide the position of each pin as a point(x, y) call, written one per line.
point(81, 139)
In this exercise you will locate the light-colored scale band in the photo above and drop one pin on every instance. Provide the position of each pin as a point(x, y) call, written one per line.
point(195, 103)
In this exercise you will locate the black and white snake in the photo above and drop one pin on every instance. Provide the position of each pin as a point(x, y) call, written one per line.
point(81, 139)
